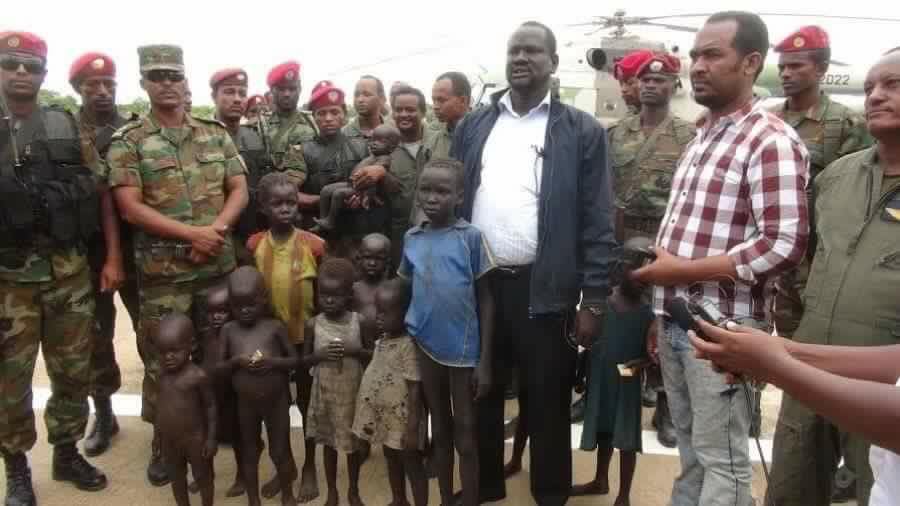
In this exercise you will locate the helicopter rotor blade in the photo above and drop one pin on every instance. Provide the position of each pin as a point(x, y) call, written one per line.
point(679, 28)
point(826, 16)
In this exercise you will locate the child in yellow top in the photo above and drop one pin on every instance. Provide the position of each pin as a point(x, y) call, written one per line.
point(288, 259)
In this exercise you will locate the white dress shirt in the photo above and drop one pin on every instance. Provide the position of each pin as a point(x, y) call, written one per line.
point(886, 468)
point(506, 202)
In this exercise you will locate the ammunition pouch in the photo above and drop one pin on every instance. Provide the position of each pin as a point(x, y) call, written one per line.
point(17, 214)
point(163, 250)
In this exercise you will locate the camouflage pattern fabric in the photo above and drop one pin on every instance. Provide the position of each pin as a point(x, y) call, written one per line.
point(106, 378)
point(57, 317)
point(182, 173)
point(157, 301)
point(643, 166)
point(286, 136)
point(830, 131)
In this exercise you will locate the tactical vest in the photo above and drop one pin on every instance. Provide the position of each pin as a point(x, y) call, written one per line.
point(252, 150)
point(51, 195)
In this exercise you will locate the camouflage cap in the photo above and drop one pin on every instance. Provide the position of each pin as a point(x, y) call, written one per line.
point(161, 57)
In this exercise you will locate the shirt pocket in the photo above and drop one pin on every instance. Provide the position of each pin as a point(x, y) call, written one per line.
point(211, 166)
point(885, 289)
point(163, 183)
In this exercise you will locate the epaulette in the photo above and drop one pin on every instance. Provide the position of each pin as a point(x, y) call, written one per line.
point(211, 121)
point(124, 129)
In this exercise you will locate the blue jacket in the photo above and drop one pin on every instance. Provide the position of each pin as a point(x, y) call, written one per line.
point(575, 210)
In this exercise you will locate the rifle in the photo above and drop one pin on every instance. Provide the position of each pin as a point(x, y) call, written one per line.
point(6, 115)
point(262, 128)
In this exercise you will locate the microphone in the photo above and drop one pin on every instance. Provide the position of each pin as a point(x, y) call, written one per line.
point(682, 315)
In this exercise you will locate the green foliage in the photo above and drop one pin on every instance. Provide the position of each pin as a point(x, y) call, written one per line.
point(139, 106)
point(50, 97)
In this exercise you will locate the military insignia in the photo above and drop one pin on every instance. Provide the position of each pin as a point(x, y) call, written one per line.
point(799, 42)
point(333, 96)
point(656, 66)
point(13, 42)
point(98, 64)
point(289, 75)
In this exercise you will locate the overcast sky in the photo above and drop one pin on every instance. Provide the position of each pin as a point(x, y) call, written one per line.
point(342, 40)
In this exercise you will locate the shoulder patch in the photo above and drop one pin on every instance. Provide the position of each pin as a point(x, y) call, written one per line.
point(124, 129)
point(210, 121)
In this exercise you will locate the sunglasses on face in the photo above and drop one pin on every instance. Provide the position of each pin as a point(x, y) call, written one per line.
point(158, 76)
point(13, 64)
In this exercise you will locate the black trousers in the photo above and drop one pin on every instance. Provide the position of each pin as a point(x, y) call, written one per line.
point(537, 347)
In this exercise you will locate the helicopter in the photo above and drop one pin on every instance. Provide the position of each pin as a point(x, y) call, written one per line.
point(586, 68)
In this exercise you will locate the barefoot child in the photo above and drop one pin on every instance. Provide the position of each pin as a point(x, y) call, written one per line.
point(335, 350)
point(186, 418)
point(257, 351)
point(288, 259)
point(374, 254)
point(385, 139)
point(612, 417)
point(390, 408)
point(446, 260)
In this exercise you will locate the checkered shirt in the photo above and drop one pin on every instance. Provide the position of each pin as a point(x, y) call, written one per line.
point(739, 190)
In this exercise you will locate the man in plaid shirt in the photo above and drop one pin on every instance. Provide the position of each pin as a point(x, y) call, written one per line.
point(737, 215)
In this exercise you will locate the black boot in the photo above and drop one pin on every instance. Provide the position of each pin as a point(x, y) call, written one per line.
point(662, 422)
point(19, 491)
point(105, 427)
point(156, 469)
point(69, 465)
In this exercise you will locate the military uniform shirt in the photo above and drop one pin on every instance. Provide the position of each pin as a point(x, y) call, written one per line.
point(438, 140)
point(643, 165)
point(286, 136)
point(182, 173)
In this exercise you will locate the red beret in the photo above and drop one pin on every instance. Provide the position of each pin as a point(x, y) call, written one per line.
point(662, 63)
point(288, 71)
point(627, 67)
point(91, 65)
point(231, 75)
point(323, 94)
point(804, 39)
point(255, 100)
point(23, 42)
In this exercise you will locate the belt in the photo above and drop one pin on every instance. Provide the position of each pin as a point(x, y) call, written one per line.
point(512, 271)
point(649, 225)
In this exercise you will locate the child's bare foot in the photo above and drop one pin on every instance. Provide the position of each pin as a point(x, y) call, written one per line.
point(591, 488)
point(512, 468)
point(333, 498)
point(236, 489)
point(622, 501)
point(193, 487)
point(353, 498)
point(309, 486)
point(272, 488)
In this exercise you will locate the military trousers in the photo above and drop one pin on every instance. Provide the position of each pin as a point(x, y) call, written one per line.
point(787, 304)
point(157, 300)
point(106, 379)
point(56, 317)
point(805, 454)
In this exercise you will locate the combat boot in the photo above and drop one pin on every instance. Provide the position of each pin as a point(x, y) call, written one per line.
point(69, 465)
point(19, 491)
point(105, 427)
point(156, 469)
point(662, 422)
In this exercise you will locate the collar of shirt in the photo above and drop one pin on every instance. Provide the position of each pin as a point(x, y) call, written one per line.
point(460, 223)
point(815, 113)
point(506, 105)
point(704, 126)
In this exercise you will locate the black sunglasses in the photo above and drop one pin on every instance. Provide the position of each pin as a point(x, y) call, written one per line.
point(12, 65)
point(158, 76)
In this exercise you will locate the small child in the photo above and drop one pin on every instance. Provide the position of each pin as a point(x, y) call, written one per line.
point(187, 417)
point(451, 318)
point(335, 349)
point(390, 408)
point(385, 139)
point(288, 259)
point(612, 417)
point(374, 255)
point(258, 351)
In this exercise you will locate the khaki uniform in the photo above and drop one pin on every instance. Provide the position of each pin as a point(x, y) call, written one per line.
point(46, 302)
point(352, 129)
point(182, 173)
point(830, 130)
point(643, 166)
point(106, 378)
point(850, 300)
point(406, 166)
point(438, 139)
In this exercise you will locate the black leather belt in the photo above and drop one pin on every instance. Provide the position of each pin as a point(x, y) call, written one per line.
point(512, 271)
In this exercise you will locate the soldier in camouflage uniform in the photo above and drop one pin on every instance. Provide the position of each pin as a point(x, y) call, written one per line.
point(645, 150)
point(288, 128)
point(829, 130)
point(49, 209)
point(180, 182)
point(229, 94)
point(93, 77)
point(369, 104)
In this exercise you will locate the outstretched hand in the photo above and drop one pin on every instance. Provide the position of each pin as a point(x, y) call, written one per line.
point(740, 351)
